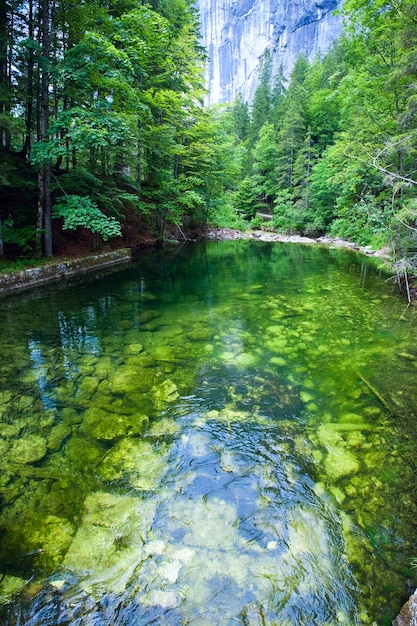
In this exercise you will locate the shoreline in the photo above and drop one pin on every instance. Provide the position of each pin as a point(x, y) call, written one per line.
point(30, 278)
point(225, 234)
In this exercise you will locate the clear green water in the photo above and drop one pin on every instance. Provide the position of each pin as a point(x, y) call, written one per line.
point(221, 434)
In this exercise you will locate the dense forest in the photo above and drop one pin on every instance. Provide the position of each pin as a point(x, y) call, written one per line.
point(103, 130)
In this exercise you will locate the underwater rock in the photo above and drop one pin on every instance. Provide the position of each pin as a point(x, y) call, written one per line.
point(165, 599)
point(58, 434)
point(135, 348)
point(109, 542)
point(130, 378)
point(46, 537)
point(148, 316)
point(164, 393)
point(170, 331)
point(200, 333)
point(28, 449)
point(340, 462)
point(9, 586)
point(82, 453)
point(163, 428)
point(136, 461)
point(170, 571)
point(108, 426)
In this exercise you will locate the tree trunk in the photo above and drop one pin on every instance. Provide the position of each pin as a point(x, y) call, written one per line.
point(44, 225)
point(4, 72)
point(30, 86)
point(1, 241)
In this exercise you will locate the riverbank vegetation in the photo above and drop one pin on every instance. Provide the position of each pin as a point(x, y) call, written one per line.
point(104, 136)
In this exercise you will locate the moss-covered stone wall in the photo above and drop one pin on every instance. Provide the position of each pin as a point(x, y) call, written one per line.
point(33, 277)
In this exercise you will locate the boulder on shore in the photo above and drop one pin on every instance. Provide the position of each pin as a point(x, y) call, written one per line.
point(408, 614)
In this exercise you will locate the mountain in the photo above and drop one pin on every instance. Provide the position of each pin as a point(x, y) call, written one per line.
point(236, 33)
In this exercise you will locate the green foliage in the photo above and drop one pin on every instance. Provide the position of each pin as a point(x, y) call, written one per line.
point(81, 211)
point(21, 236)
point(331, 149)
point(221, 214)
point(257, 222)
point(245, 198)
point(367, 223)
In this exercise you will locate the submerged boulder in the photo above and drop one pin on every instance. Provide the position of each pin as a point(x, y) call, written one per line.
point(340, 462)
point(28, 449)
point(134, 461)
point(109, 542)
point(108, 425)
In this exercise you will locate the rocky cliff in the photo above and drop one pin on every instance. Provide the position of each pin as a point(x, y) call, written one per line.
point(236, 33)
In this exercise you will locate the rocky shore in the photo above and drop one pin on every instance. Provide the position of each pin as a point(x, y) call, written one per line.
point(223, 234)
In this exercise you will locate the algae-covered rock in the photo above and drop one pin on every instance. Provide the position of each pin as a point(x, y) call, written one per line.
point(135, 348)
point(88, 386)
point(278, 360)
point(200, 333)
point(135, 461)
point(351, 418)
point(102, 424)
point(328, 436)
point(276, 345)
point(40, 536)
point(4, 446)
point(58, 434)
point(28, 450)
point(163, 428)
point(9, 586)
point(168, 354)
point(130, 379)
point(5, 397)
point(340, 462)
point(306, 396)
point(83, 454)
point(165, 392)
point(245, 359)
point(109, 541)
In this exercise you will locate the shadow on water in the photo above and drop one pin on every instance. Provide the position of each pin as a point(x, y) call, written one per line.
point(215, 435)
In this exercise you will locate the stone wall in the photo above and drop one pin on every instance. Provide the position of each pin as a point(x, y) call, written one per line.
point(25, 279)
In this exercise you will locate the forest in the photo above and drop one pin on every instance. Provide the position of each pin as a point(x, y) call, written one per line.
point(104, 136)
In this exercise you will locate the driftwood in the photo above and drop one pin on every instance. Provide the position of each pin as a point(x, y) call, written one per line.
point(376, 393)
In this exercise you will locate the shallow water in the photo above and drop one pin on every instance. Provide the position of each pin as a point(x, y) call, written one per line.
point(220, 434)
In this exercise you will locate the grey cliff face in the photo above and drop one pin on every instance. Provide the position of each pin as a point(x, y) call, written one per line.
point(236, 33)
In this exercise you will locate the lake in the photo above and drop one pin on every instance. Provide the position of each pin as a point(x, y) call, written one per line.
point(222, 433)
